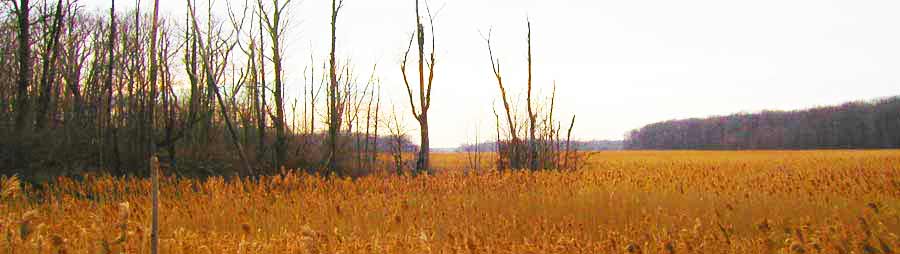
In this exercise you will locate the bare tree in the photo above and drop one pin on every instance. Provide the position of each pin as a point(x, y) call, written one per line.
point(397, 136)
point(532, 147)
point(554, 132)
point(541, 150)
point(374, 156)
point(473, 151)
point(421, 115)
point(568, 144)
point(108, 134)
point(7, 89)
point(169, 98)
point(334, 117)
point(275, 27)
point(500, 164)
point(210, 76)
point(22, 107)
point(154, 161)
point(263, 86)
point(365, 154)
point(513, 129)
point(48, 68)
point(76, 53)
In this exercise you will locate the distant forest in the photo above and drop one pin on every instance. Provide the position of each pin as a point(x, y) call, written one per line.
point(870, 124)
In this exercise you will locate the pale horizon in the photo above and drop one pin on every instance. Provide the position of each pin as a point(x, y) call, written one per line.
point(618, 65)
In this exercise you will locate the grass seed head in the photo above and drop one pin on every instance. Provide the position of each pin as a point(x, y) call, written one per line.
point(25, 229)
point(11, 188)
point(124, 211)
point(246, 228)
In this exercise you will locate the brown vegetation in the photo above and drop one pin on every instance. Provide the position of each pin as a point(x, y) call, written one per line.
point(638, 202)
point(97, 94)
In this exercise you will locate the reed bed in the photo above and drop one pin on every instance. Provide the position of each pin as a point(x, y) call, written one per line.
point(622, 202)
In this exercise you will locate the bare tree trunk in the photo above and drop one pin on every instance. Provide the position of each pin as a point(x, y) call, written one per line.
point(513, 131)
point(209, 101)
point(23, 109)
point(500, 164)
point(374, 156)
point(274, 28)
point(261, 121)
point(554, 143)
point(364, 157)
point(190, 63)
point(558, 143)
point(255, 100)
point(312, 95)
point(333, 123)
point(169, 102)
point(396, 145)
point(110, 132)
point(568, 143)
point(422, 161)
point(48, 71)
point(477, 150)
point(153, 160)
point(532, 150)
point(77, 54)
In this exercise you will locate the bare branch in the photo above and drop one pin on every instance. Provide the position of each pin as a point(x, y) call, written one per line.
point(432, 62)
point(412, 105)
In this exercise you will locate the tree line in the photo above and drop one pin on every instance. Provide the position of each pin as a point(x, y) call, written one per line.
point(866, 124)
point(206, 95)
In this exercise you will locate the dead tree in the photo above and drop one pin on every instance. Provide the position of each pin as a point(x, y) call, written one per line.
point(169, 98)
point(473, 153)
point(537, 152)
point(7, 89)
point(374, 155)
point(568, 144)
point(190, 64)
point(421, 115)
point(263, 86)
point(500, 164)
point(513, 145)
point(109, 135)
point(554, 132)
point(397, 135)
point(532, 147)
point(48, 69)
point(313, 95)
point(22, 107)
point(154, 161)
point(334, 118)
point(256, 106)
point(275, 29)
point(210, 76)
point(365, 154)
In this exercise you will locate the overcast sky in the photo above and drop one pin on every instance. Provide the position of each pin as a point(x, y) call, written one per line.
point(618, 64)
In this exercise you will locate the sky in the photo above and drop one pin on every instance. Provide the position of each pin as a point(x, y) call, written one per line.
point(618, 65)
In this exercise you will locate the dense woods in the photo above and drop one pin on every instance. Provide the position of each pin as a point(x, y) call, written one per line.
point(873, 124)
point(97, 91)
point(107, 91)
